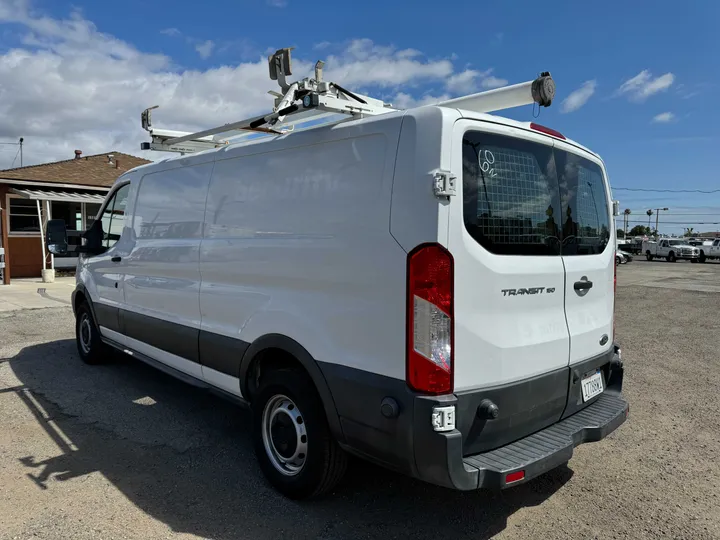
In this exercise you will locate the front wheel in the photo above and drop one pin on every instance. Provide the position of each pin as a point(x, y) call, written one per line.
point(671, 257)
point(87, 336)
point(702, 257)
point(292, 439)
point(648, 255)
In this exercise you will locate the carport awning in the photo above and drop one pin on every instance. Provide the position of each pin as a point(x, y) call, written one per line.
point(62, 196)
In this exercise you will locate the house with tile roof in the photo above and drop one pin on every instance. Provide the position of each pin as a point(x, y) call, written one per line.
point(72, 190)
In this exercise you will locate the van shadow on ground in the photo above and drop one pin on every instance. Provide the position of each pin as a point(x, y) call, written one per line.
point(185, 457)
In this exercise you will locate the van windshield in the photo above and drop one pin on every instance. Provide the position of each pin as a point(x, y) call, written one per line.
point(526, 198)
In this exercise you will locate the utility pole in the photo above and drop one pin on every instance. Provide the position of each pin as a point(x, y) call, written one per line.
point(21, 143)
point(657, 218)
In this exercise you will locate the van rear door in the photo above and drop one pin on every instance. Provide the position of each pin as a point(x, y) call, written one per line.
point(505, 238)
point(587, 253)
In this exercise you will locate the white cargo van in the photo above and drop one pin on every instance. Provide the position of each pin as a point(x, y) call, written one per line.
point(429, 289)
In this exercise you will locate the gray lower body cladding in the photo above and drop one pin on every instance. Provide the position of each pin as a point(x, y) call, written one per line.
point(379, 418)
point(539, 423)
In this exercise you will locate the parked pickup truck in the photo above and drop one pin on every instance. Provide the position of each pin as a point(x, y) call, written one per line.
point(671, 249)
point(709, 250)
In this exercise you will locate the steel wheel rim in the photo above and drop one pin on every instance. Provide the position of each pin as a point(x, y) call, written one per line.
point(85, 333)
point(284, 435)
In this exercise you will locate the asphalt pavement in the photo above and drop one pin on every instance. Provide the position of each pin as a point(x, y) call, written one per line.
point(121, 451)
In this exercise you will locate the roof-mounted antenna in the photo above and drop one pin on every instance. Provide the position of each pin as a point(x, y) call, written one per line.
point(318, 71)
point(280, 64)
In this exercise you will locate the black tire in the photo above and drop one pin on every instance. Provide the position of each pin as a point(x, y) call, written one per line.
point(702, 257)
point(87, 337)
point(693, 260)
point(617, 260)
point(671, 257)
point(648, 255)
point(324, 463)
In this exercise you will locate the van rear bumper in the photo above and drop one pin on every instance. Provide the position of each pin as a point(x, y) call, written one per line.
point(385, 422)
point(439, 457)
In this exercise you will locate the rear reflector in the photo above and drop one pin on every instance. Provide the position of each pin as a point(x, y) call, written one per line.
point(514, 477)
point(546, 130)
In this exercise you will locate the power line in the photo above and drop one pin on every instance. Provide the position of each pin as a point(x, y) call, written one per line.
point(636, 212)
point(679, 222)
point(16, 156)
point(667, 190)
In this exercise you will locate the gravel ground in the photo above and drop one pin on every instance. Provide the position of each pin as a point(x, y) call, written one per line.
point(123, 451)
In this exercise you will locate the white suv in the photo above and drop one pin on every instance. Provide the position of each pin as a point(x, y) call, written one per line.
point(461, 335)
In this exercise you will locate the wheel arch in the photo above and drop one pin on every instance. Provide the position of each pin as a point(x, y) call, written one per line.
point(80, 295)
point(257, 352)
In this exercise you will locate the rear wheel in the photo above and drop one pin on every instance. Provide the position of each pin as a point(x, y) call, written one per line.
point(648, 255)
point(87, 336)
point(293, 444)
point(618, 260)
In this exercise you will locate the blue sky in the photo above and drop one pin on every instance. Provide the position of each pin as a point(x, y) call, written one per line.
point(634, 79)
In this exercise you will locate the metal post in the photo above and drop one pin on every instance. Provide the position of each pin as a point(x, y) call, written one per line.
point(657, 218)
point(21, 151)
point(48, 217)
point(42, 234)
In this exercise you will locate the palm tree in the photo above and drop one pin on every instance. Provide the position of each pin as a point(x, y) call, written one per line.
point(689, 231)
point(650, 215)
point(627, 213)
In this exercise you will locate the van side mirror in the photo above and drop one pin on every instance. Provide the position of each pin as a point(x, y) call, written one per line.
point(616, 208)
point(56, 236)
point(94, 239)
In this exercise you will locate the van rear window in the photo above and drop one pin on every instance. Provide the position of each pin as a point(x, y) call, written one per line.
point(526, 198)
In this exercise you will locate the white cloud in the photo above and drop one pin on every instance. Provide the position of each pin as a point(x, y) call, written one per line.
point(663, 118)
point(403, 100)
point(205, 48)
point(493, 82)
point(470, 81)
point(643, 85)
point(68, 85)
point(170, 32)
point(276, 3)
point(579, 97)
point(364, 64)
point(463, 82)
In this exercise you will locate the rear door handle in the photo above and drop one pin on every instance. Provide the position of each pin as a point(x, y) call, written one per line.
point(583, 285)
point(118, 259)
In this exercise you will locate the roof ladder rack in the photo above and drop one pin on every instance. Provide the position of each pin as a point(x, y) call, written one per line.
point(312, 99)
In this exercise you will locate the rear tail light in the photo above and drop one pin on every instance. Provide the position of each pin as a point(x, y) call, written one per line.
point(546, 130)
point(430, 328)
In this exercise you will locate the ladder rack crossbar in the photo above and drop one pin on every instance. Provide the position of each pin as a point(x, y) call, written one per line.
point(312, 99)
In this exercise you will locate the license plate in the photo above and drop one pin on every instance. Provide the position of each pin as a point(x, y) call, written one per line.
point(592, 386)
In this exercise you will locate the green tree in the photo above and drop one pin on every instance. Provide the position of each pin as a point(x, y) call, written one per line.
point(620, 233)
point(690, 231)
point(639, 230)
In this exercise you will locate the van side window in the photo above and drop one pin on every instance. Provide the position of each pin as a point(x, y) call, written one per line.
point(113, 216)
point(171, 204)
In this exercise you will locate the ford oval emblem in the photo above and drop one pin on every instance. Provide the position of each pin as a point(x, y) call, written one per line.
point(604, 339)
